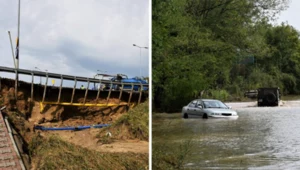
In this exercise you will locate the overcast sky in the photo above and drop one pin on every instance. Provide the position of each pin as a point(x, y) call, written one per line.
point(78, 37)
point(291, 15)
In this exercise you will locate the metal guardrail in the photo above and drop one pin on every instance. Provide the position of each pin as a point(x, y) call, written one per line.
point(76, 79)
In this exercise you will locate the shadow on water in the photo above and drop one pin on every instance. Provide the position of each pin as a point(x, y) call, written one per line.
point(261, 138)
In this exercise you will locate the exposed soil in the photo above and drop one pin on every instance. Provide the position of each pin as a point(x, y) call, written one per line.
point(87, 139)
point(58, 116)
point(25, 114)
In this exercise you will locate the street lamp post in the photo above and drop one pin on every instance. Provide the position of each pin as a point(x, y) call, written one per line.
point(140, 57)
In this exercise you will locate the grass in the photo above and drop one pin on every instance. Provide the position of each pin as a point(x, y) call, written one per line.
point(134, 124)
point(137, 121)
point(167, 154)
point(171, 155)
point(54, 153)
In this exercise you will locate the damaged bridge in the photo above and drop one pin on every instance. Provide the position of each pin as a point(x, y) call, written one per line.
point(46, 94)
point(29, 104)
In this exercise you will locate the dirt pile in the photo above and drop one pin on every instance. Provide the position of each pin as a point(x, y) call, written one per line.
point(17, 110)
point(20, 104)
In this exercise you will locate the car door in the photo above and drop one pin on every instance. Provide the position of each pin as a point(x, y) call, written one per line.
point(197, 110)
point(191, 107)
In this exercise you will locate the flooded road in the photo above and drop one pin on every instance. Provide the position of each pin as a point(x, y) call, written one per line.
point(261, 138)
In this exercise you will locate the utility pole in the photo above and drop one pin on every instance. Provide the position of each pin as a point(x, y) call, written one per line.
point(17, 52)
point(18, 39)
point(140, 57)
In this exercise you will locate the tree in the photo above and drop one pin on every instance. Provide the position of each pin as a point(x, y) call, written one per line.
point(196, 45)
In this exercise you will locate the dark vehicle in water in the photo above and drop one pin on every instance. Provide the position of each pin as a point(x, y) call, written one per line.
point(268, 96)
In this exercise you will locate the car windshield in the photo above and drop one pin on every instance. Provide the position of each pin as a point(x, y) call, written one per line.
point(214, 104)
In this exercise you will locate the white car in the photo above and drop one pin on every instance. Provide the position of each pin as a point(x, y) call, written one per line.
point(208, 108)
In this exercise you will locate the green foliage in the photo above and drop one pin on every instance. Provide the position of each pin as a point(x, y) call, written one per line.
point(289, 83)
point(220, 94)
point(197, 45)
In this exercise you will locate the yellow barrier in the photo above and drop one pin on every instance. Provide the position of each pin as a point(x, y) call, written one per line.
point(84, 104)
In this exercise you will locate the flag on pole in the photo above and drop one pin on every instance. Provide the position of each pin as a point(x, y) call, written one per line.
point(17, 49)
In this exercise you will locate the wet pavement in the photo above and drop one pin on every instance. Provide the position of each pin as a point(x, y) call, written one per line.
point(261, 138)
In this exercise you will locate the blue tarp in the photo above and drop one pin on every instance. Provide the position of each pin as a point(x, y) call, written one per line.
point(70, 127)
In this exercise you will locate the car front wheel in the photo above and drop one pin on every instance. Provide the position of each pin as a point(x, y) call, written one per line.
point(205, 116)
point(185, 116)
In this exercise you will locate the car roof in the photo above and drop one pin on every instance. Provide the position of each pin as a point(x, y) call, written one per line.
point(208, 99)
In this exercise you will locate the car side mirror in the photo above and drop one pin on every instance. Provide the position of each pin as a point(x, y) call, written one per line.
point(229, 107)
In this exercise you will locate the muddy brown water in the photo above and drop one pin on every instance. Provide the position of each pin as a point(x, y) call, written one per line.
point(261, 138)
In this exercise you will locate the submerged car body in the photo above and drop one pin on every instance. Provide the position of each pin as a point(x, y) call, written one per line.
point(208, 108)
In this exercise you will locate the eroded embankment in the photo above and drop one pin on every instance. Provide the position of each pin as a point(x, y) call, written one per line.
point(114, 147)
